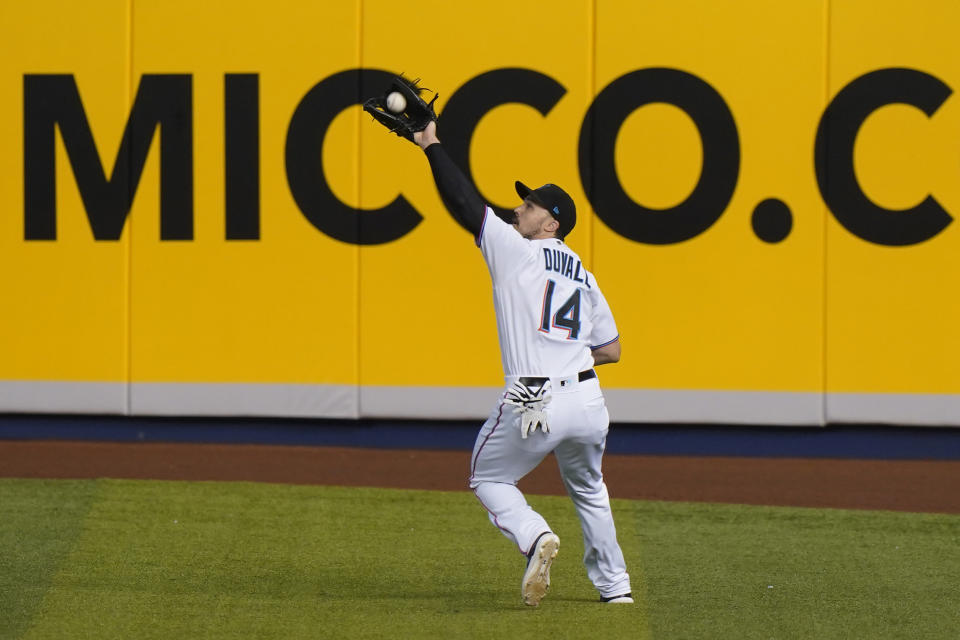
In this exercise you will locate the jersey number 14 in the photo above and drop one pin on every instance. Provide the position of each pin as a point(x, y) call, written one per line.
point(567, 316)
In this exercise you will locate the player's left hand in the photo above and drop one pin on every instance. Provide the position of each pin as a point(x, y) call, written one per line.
point(426, 137)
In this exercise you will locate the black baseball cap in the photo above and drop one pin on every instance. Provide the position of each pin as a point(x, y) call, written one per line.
point(555, 200)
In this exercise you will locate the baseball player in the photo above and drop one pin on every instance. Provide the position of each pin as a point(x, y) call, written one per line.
point(554, 326)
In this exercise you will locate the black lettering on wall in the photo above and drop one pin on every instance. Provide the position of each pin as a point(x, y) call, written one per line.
point(304, 163)
point(721, 155)
point(833, 157)
point(51, 101)
point(241, 119)
point(481, 94)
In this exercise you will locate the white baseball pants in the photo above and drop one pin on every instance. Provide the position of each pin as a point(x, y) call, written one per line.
point(578, 422)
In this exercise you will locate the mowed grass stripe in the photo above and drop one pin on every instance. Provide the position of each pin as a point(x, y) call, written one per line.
point(227, 560)
point(39, 522)
point(728, 571)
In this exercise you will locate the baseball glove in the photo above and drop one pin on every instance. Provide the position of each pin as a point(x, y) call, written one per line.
point(413, 118)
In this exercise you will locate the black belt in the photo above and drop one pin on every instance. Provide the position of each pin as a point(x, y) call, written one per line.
point(536, 382)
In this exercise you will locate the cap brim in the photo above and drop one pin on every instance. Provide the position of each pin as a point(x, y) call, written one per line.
point(526, 192)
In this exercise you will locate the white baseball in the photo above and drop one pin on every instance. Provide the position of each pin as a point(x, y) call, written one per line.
point(396, 102)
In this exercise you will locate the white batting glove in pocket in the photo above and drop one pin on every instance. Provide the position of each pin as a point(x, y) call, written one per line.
point(532, 403)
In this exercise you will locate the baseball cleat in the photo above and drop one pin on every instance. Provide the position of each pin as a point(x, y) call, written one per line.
point(536, 579)
point(626, 598)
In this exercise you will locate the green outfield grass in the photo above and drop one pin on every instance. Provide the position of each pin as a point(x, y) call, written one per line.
point(138, 559)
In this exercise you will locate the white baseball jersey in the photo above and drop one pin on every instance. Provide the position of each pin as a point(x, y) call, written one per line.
point(550, 311)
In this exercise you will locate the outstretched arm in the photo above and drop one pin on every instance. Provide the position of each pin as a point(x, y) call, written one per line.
point(458, 194)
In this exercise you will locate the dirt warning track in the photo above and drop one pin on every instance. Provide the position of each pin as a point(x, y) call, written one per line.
point(911, 485)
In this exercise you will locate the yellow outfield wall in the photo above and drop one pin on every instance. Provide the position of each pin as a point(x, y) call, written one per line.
point(196, 217)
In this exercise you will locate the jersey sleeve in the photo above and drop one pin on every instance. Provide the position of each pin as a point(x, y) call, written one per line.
point(503, 248)
point(604, 330)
